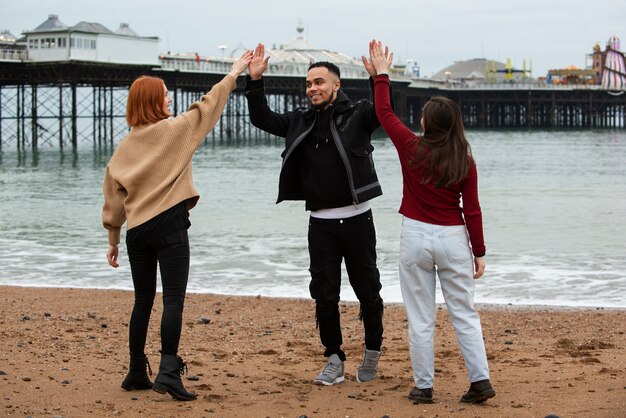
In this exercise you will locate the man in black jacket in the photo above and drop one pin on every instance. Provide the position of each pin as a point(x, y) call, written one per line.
point(327, 162)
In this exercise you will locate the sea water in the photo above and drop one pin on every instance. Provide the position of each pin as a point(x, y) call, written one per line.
point(554, 214)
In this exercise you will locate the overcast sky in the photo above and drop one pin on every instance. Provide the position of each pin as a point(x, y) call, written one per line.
point(436, 33)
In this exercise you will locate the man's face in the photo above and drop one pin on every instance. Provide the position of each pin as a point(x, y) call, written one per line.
point(321, 87)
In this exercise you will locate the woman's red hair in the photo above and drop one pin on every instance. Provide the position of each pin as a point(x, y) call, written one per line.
point(145, 101)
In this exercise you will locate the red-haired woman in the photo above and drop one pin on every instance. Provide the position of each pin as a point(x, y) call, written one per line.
point(437, 172)
point(148, 184)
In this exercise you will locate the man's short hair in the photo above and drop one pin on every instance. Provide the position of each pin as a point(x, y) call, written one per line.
point(328, 65)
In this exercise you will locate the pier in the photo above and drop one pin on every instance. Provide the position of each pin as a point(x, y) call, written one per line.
point(66, 103)
point(529, 106)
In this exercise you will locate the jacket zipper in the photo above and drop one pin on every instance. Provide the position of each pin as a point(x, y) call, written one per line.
point(297, 141)
point(344, 157)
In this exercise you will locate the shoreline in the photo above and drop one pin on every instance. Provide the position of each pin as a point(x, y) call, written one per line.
point(64, 352)
point(481, 305)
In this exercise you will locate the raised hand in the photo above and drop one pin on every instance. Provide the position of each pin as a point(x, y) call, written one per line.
point(258, 65)
point(380, 59)
point(241, 64)
point(368, 64)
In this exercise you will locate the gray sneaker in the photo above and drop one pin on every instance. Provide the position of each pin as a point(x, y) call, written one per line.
point(332, 373)
point(369, 367)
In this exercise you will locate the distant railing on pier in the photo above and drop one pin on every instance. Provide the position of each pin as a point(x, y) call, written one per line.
point(215, 65)
point(190, 65)
point(13, 55)
point(223, 66)
point(537, 85)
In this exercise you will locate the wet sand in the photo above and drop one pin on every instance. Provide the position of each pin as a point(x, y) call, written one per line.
point(63, 353)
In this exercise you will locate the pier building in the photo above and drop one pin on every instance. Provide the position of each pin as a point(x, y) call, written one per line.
point(11, 49)
point(54, 41)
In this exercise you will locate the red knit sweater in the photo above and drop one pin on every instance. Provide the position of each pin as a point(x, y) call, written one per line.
point(425, 202)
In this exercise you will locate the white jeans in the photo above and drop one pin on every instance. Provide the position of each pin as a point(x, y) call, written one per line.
point(425, 251)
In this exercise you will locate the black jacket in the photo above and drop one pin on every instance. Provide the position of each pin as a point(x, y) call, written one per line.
point(351, 127)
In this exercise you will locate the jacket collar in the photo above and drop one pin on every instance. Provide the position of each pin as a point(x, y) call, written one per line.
point(341, 104)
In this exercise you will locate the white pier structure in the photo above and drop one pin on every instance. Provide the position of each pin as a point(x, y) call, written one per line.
point(289, 60)
point(89, 41)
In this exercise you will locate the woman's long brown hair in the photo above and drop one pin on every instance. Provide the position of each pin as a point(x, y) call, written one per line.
point(443, 151)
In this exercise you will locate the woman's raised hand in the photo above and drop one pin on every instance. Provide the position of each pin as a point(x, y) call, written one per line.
point(380, 59)
point(241, 64)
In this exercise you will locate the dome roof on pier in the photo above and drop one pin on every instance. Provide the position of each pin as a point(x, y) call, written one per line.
point(473, 69)
point(301, 51)
point(7, 37)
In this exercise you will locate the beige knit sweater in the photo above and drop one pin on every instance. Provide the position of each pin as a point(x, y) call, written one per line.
point(150, 171)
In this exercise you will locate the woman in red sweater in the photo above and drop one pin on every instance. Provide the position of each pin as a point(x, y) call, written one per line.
point(438, 171)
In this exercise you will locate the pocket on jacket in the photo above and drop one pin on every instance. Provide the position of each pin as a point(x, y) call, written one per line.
point(364, 161)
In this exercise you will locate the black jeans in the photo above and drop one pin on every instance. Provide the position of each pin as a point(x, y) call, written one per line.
point(354, 240)
point(172, 255)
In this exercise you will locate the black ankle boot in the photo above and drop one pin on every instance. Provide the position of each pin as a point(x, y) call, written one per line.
point(168, 380)
point(479, 392)
point(421, 395)
point(137, 378)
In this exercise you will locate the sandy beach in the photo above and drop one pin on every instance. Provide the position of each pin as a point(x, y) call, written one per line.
point(63, 353)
